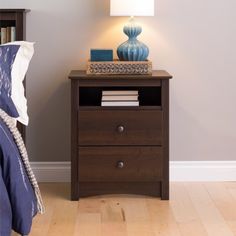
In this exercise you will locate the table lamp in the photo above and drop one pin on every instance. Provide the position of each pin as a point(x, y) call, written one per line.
point(133, 49)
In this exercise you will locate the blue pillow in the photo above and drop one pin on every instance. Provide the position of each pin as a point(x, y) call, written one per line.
point(7, 58)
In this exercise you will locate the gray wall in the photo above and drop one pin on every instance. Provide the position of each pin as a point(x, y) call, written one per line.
point(193, 40)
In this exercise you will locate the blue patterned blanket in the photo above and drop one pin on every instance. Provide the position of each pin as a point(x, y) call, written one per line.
point(18, 204)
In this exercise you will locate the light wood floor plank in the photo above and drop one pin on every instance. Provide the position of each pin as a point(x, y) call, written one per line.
point(113, 216)
point(162, 218)
point(88, 224)
point(184, 212)
point(210, 216)
point(222, 198)
point(196, 209)
point(45, 220)
point(231, 189)
point(230, 184)
point(136, 216)
point(64, 213)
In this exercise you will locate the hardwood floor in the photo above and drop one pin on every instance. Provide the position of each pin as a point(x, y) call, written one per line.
point(196, 209)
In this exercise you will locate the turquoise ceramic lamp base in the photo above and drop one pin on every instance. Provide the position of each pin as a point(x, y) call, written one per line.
point(132, 50)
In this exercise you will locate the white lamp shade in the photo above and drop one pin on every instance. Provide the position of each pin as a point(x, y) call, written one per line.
point(132, 7)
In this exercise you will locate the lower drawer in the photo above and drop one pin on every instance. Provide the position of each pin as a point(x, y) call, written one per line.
point(120, 164)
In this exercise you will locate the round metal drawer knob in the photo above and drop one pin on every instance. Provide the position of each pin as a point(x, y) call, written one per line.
point(120, 164)
point(120, 128)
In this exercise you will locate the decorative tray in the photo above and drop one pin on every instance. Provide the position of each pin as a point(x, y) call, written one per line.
point(119, 67)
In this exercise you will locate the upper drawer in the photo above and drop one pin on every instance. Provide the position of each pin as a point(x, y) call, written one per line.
point(120, 127)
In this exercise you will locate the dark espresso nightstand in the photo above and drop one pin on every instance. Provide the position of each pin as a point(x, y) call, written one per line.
point(106, 159)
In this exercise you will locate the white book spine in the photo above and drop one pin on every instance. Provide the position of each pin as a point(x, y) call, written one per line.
point(124, 92)
point(120, 98)
point(13, 34)
point(120, 104)
point(3, 35)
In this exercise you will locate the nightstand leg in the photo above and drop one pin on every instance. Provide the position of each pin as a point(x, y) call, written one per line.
point(164, 190)
point(74, 142)
point(74, 192)
point(165, 105)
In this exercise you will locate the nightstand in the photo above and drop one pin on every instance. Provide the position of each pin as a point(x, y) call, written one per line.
point(121, 150)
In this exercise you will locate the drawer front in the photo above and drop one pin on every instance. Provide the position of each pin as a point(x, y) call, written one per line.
point(120, 164)
point(120, 127)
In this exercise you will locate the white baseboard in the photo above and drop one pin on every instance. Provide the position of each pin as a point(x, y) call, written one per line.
point(203, 171)
point(51, 171)
point(179, 171)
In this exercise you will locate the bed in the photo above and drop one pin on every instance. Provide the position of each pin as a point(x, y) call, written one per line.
point(20, 198)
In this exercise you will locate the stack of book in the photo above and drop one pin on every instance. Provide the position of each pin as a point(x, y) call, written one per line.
point(120, 98)
point(7, 34)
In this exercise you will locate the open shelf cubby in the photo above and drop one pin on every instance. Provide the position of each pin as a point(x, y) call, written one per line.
point(91, 97)
point(7, 23)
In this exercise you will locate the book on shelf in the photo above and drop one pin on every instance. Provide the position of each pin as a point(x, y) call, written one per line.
point(13, 34)
point(3, 35)
point(121, 92)
point(115, 98)
point(8, 34)
point(119, 97)
point(120, 103)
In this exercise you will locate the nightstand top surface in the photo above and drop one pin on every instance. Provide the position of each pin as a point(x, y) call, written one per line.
point(2, 10)
point(156, 74)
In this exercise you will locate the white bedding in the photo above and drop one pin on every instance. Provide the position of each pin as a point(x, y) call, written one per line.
point(19, 69)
